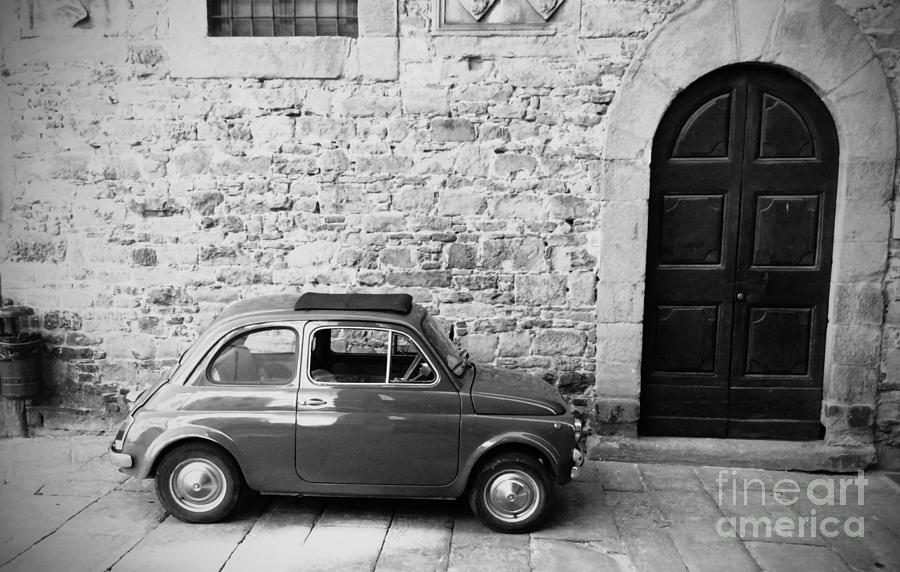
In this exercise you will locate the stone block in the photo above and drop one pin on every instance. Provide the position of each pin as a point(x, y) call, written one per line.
point(514, 254)
point(377, 18)
point(461, 256)
point(625, 220)
point(144, 256)
point(517, 206)
point(379, 58)
point(852, 383)
point(464, 201)
point(581, 289)
point(623, 261)
point(858, 303)
point(445, 129)
point(514, 344)
point(272, 131)
point(847, 424)
point(862, 221)
point(361, 106)
point(384, 222)
point(205, 202)
point(860, 106)
point(859, 261)
point(426, 279)
point(186, 161)
point(867, 180)
point(400, 257)
point(614, 410)
point(820, 39)
point(678, 54)
point(618, 379)
point(540, 290)
point(567, 207)
point(507, 165)
point(605, 19)
point(559, 342)
point(633, 118)
point(619, 343)
point(425, 100)
point(856, 345)
point(482, 348)
point(468, 311)
point(754, 20)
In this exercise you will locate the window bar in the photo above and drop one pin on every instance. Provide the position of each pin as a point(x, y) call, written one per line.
point(390, 351)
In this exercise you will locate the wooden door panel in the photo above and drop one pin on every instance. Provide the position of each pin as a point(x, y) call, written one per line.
point(699, 401)
point(743, 182)
point(773, 403)
point(686, 339)
point(787, 231)
point(683, 426)
point(691, 230)
point(782, 429)
point(779, 341)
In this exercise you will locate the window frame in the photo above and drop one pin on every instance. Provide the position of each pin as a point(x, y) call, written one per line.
point(313, 327)
point(274, 17)
point(204, 374)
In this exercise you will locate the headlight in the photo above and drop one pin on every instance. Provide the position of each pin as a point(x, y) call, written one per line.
point(577, 429)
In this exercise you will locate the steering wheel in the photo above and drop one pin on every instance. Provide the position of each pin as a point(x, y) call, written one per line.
point(412, 367)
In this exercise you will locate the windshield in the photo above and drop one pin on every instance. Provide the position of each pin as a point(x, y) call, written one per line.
point(446, 348)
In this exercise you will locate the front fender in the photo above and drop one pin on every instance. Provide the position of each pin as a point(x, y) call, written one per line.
point(521, 439)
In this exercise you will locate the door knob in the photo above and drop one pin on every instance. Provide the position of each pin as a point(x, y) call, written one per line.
point(313, 402)
point(741, 297)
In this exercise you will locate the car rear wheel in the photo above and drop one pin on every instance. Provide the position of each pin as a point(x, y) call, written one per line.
point(198, 483)
point(511, 493)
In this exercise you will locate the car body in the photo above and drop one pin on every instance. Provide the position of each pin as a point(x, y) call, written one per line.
point(346, 395)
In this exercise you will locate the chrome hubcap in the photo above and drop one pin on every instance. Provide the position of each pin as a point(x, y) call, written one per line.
point(512, 496)
point(197, 485)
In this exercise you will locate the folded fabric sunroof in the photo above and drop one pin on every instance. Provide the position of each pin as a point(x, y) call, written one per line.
point(395, 303)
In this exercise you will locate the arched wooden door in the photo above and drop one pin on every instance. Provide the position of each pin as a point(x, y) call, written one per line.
point(741, 223)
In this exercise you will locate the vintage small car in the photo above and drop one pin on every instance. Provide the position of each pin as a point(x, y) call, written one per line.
point(346, 395)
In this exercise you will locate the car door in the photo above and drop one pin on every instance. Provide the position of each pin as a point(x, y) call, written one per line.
point(245, 390)
point(362, 421)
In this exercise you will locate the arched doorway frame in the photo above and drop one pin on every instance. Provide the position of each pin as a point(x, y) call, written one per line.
point(818, 42)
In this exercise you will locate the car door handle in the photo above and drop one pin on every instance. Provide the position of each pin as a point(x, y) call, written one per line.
point(313, 402)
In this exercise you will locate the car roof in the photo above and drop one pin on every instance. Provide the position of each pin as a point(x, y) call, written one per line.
point(316, 305)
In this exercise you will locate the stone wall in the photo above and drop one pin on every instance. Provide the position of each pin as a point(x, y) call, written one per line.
point(146, 188)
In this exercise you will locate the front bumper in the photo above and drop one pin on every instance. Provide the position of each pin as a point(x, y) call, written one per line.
point(121, 460)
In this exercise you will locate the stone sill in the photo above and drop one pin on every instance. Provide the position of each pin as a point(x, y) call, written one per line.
point(748, 453)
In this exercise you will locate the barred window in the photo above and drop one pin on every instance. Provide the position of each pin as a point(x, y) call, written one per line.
point(282, 18)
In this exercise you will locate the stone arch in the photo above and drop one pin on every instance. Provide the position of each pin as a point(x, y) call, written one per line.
point(818, 42)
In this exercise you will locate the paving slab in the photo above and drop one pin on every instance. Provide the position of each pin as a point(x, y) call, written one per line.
point(74, 551)
point(644, 530)
point(340, 548)
point(621, 476)
point(26, 519)
point(670, 478)
point(474, 547)
point(176, 545)
point(694, 517)
point(418, 542)
point(795, 557)
point(277, 537)
point(372, 513)
point(566, 556)
point(581, 514)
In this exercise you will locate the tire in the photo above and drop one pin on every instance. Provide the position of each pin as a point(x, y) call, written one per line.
point(511, 493)
point(198, 483)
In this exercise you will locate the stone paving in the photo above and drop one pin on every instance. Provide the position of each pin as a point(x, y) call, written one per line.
point(64, 507)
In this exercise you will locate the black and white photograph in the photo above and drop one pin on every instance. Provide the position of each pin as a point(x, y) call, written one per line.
point(449, 285)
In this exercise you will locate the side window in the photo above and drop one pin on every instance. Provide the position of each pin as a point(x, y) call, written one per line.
point(361, 355)
point(261, 357)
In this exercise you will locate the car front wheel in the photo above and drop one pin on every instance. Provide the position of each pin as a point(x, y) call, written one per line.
point(198, 483)
point(511, 493)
